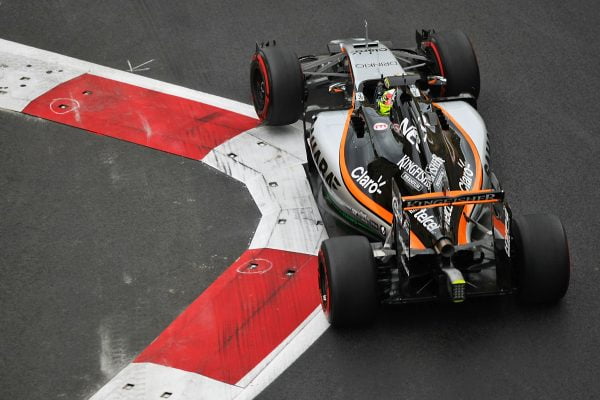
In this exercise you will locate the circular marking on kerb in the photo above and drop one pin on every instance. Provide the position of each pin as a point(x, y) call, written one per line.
point(64, 105)
point(256, 266)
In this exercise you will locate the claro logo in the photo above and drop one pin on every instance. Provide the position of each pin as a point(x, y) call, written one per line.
point(466, 180)
point(363, 179)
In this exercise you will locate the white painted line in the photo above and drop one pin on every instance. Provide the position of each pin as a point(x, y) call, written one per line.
point(138, 68)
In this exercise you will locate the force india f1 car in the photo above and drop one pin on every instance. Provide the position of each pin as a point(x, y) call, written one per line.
point(414, 180)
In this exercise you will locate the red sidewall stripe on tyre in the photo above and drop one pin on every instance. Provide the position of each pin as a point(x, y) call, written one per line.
point(263, 70)
point(438, 58)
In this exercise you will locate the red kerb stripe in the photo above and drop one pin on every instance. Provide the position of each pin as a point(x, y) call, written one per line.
point(161, 121)
point(247, 312)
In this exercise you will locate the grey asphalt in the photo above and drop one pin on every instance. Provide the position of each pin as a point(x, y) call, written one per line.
point(102, 243)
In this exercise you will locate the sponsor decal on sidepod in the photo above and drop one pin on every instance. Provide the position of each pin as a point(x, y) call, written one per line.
point(321, 164)
point(364, 180)
point(414, 170)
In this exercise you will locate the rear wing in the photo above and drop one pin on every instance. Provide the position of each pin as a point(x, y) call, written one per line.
point(453, 197)
point(400, 204)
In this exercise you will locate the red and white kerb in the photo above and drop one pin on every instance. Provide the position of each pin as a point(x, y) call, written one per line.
point(263, 312)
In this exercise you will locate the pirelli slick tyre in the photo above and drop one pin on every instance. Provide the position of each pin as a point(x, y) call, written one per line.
point(541, 257)
point(277, 85)
point(456, 61)
point(348, 281)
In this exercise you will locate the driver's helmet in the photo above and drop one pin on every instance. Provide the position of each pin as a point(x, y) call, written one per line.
point(385, 102)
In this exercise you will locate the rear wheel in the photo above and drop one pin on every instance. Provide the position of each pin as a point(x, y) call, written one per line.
point(456, 61)
point(348, 281)
point(277, 85)
point(541, 256)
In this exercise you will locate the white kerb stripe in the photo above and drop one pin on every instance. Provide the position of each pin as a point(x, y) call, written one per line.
point(277, 182)
point(141, 381)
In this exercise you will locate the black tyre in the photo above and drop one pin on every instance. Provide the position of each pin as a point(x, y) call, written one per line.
point(541, 256)
point(348, 281)
point(456, 61)
point(277, 85)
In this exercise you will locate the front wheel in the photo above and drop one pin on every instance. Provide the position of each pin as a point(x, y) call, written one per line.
point(454, 58)
point(348, 281)
point(277, 85)
point(541, 258)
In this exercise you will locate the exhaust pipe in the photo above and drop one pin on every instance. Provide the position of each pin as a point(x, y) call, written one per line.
point(444, 247)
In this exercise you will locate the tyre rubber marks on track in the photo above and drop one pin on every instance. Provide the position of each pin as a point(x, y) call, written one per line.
point(263, 311)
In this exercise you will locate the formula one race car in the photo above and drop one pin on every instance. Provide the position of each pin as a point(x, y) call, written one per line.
point(398, 151)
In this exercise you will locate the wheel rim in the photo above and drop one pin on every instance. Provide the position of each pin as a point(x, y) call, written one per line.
point(258, 89)
point(261, 90)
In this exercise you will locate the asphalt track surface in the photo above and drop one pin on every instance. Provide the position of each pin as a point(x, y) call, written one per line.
point(103, 243)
